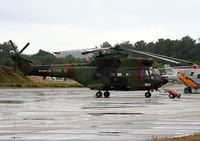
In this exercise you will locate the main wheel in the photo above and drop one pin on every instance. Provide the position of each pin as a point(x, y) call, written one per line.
point(147, 94)
point(171, 96)
point(99, 94)
point(186, 90)
point(106, 94)
point(189, 90)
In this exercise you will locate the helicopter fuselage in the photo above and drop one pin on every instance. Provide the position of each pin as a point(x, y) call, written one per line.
point(105, 72)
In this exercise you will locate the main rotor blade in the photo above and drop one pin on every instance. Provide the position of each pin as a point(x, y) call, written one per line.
point(171, 58)
point(24, 48)
point(14, 48)
point(95, 50)
point(153, 55)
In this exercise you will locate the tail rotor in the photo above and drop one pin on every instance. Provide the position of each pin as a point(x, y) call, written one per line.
point(17, 53)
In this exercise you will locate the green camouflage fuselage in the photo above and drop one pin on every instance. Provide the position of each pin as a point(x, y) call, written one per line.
point(105, 72)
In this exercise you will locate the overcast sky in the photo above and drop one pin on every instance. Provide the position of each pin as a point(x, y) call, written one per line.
point(55, 25)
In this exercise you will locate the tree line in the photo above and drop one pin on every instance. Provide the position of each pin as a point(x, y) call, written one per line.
point(185, 48)
point(40, 58)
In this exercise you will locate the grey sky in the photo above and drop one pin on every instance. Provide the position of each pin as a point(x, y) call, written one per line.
point(54, 25)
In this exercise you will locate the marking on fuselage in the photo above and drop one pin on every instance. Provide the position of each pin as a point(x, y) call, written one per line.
point(49, 70)
point(147, 84)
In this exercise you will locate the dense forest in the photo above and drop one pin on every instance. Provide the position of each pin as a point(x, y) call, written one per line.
point(185, 48)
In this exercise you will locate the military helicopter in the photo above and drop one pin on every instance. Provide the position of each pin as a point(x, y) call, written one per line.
point(106, 72)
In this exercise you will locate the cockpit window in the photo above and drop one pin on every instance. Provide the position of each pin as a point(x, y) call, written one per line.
point(146, 73)
point(156, 71)
point(149, 73)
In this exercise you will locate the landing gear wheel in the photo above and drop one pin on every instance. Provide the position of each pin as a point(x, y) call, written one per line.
point(106, 94)
point(171, 96)
point(147, 94)
point(189, 90)
point(99, 94)
point(186, 90)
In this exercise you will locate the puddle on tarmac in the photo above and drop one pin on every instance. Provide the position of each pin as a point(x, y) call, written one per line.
point(107, 107)
point(102, 114)
point(11, 101)
point(110, 133)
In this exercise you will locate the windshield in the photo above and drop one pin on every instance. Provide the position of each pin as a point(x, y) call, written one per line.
point(150, 73)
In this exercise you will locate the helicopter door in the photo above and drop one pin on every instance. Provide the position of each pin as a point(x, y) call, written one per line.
point(117, 80)
point(137, 79)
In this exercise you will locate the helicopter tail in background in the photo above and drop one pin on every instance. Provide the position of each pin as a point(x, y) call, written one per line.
point(171, 73)
point(23, 64)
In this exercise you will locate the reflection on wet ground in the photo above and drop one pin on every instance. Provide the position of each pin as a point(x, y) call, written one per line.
point(11, 101)
point(74, 114)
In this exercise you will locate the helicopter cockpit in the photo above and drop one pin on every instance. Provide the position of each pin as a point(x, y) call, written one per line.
point(150, 73)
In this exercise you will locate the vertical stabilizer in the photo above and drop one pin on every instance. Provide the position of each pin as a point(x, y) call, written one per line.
point(24, 65)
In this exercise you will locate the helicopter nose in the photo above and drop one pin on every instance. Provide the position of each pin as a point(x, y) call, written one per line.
point(164, 80)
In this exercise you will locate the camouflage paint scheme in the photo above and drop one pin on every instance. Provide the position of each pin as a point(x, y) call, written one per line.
point(105, 72)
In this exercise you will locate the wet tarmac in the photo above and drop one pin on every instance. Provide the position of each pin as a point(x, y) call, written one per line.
point(74, 114)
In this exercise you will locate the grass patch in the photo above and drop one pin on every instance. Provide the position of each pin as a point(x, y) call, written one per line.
point(8, 76)
point(195, 137)
point(38, 85)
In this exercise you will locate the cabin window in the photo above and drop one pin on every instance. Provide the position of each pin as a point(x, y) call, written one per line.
point(113, 74)
point(119, 74)
point(198, 76)
point(191, 73)
point(98, 74)
point(128, 74)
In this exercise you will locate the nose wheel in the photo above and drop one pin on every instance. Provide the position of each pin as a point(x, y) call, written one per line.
point(147, 94)
point(106, 94)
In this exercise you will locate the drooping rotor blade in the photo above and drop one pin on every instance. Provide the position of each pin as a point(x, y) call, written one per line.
point(24, 48)
point(15, 62)
point(153, 55)
point(14, 48)
point(176, 59)
point(17, 54)
point(95, 50)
